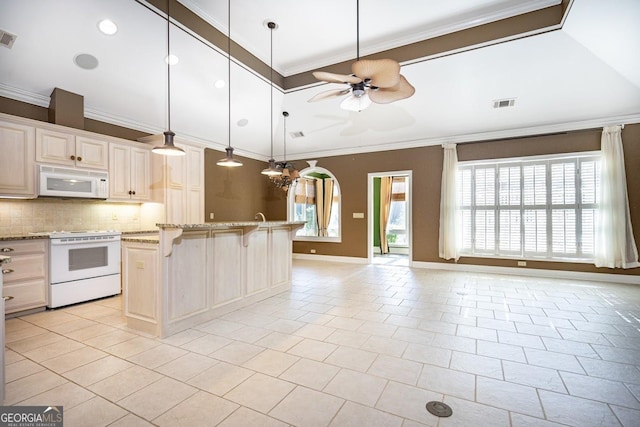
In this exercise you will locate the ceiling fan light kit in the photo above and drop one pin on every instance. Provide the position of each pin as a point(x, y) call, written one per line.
point(373, 81)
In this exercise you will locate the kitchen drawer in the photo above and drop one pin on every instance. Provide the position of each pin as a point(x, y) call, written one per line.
point(18, 247)
point(24, 267)
point(26, 295)
point(27, 275)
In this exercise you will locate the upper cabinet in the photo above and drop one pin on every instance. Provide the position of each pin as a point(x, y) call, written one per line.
point(179, 183)
point(17, 165)
point(61, 148)
point(129, 172)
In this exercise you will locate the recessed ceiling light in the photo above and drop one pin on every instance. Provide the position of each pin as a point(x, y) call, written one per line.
point(108, 27)
point(86, 61)
point(220, 84)
point(243, 122)
point(171, 59)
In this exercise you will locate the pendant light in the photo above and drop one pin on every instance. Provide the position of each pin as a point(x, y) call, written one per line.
point(289, 172)
point(228, 160)
point(168, 149)
point(272, 170)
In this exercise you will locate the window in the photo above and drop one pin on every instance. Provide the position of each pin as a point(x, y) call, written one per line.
point(315, 199)
point(541, 208)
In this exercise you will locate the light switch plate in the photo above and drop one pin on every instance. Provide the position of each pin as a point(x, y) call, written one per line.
point(358, 215)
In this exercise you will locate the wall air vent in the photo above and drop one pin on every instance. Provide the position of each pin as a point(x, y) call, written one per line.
point(7, 39)
point(504, 103)
point(297, 134)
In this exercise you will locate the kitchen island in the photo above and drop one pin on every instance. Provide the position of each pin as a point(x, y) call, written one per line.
point(191, 273)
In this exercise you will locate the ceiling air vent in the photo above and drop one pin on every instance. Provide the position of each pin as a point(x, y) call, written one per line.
point(297, 134)
point(7, 39)
point(504, 103)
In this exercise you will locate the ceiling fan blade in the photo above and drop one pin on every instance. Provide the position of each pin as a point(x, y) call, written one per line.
point(336, 78)
point(329, 94)
point(381, 72)
point(391, 94)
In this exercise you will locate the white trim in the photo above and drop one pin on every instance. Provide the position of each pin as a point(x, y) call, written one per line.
point(330, 258)
point(511, 271)
point(474, 137)
point(530, 272)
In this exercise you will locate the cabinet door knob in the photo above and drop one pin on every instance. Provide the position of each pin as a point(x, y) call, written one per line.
point(73, 157)
point(134, 192)
point(7, 270)
point(79, 159)
point(6, 249)
point(130, 192)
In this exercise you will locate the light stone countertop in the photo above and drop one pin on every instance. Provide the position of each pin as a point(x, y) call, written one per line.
point(229, 224)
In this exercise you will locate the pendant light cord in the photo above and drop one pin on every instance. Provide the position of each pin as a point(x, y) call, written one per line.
point(168, 69)
point(271, 27)
point(229, 68)
point(357, 30)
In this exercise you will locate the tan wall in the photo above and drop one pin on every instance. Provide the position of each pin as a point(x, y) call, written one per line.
point(426, 164)
point(237, 194)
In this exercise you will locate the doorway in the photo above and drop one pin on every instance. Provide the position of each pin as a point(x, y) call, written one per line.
point(389, 203)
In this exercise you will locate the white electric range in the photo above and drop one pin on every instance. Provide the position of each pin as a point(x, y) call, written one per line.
point(83, 265)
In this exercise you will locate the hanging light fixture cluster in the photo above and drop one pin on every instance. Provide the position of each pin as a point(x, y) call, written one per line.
point(289, 173)
point(271, 170)
point(168, 149)
point(228, 160)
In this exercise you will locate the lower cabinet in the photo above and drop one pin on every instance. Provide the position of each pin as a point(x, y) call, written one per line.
point(26, 276)
point(140, 278)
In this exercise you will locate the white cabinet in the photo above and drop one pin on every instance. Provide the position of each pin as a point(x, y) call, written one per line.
point(129, 172)
point(62, 148)
point(181, 185)
point(26, 277)
point(17, 165)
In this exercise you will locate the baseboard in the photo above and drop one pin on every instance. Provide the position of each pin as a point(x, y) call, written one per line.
point(331, 258)
point(531, 272)
point(527, 272)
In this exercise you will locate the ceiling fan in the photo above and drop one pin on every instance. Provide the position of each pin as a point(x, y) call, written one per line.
point(373, 80)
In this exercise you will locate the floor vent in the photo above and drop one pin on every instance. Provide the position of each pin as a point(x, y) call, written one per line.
point(7, 39)
point(504, 103)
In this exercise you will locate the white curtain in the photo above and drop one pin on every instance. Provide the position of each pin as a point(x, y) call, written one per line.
point(615, 246)
point(449, 242)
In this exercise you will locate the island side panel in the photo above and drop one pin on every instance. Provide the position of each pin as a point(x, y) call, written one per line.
point(258, 262)
point(280, 250)
point(187, 290)
point(141, 285)
point(227, 260)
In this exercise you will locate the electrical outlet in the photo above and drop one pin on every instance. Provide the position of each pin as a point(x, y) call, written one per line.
point(522, 263)
point(211, 216)
point(358, 214)
point(114, 216)
point(313, 251)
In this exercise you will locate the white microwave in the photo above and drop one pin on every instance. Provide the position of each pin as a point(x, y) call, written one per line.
point(65, 182)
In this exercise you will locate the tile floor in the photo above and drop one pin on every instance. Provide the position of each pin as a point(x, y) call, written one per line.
point(349, 345)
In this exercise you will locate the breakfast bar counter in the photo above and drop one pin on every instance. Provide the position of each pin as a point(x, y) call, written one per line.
point(192, 273)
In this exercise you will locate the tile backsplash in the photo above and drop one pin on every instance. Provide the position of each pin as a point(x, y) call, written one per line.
point(21, 217)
